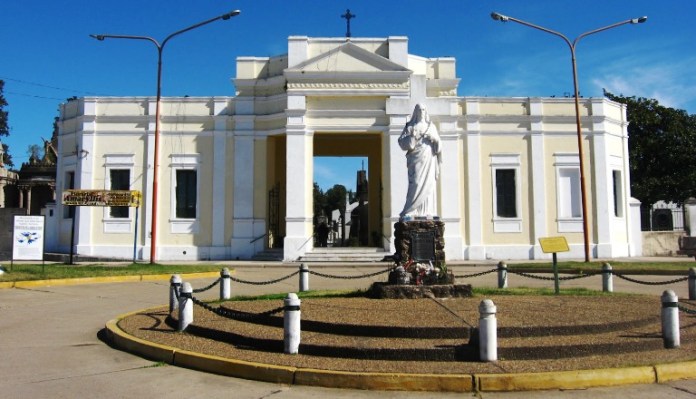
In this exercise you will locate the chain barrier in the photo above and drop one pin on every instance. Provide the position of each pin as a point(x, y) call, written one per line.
point(476, 274)
point(349, 277)
point(676, 280)
point(265, 282)
point(579, 276)
point(686, 310)
point(523, 274)
point(198, 290)
point(234, 314)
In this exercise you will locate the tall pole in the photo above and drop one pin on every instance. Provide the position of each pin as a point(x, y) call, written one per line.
point(155, 167)
point(572, 45)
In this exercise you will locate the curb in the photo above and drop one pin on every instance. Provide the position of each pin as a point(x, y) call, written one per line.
point(557, 380)
point(100, 280)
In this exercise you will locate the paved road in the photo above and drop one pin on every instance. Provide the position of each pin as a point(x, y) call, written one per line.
point(50, 345)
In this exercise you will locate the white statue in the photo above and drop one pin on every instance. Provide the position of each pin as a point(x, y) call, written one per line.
point(421, 142)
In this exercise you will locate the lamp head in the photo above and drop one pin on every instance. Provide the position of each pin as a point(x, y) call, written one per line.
point(499, 17)
point(98, 37)
point(230, 14)
point(639, 20)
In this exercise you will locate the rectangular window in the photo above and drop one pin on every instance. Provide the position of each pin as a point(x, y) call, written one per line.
point(120, 180)
point(186, 193)
point(569, 203)
point(506, 193)
point(618, 193)
point(69, 184)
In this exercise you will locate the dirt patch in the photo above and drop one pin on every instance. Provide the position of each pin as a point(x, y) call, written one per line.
point(535, 333)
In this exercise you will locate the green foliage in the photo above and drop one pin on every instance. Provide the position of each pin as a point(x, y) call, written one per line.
point(4, 123)
point(662, 150)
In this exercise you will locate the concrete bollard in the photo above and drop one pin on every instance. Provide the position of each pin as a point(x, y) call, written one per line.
point(174, 290)
point(692, 284)
point(304, 277)
point(502, 275)
point(291, 323)
point(225, 284)
point(185, 306)
point(607, 278)
point(670, 319)
point(488, 331)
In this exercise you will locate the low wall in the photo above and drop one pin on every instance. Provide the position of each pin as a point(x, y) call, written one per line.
point(661, 243)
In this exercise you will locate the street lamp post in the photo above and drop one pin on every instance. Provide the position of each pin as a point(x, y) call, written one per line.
point(572, 45)
point(160, 47)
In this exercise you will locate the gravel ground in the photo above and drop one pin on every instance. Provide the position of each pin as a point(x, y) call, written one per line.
point(535, 333)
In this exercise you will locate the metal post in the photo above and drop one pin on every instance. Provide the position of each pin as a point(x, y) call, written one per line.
point(304, 277)
point(174, 291)
point(556, 283)
point(670, 319)
point(607, 278)
point(185, 306)
point(488, 334)
point(502, 275)
point(225, 286)
point(291, 324)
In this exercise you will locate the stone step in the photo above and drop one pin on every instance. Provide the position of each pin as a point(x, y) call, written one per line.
point(345, 254)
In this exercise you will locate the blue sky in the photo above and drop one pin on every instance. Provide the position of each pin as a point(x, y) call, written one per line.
point(48, 56)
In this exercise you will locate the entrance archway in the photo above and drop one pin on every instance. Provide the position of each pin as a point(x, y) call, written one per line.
point(367, 145)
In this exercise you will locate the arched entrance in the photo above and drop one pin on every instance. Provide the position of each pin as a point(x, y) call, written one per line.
point(367, 145)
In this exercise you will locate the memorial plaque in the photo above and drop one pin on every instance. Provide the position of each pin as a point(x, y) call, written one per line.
point(423, 246)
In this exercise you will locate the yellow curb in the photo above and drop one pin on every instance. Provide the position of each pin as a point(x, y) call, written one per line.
point(75, 281)
point(105, 279)
point(384, 381)
point(576, 379)
point(234, 368)
point(129, 343)
point(675, 371)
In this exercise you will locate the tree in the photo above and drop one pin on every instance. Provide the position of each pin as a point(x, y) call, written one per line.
point(336, 199)
point(662, 150)
point(34, 152)
point(4, 126)
point(319, 201)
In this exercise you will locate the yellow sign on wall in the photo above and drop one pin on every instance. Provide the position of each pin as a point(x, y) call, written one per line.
point(553, 244)
point(102, 198)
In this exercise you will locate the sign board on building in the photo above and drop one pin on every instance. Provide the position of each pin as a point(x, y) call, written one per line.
point(28, 238)
point(102, 198)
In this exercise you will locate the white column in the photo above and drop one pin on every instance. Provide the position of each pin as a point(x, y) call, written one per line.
point(599, 184)
point(220, 205)
point(472, 151)
point(299, 173)
point(149, 177)
point(84, 179)
point(451, 189)
point(243, 195)
point(537, 163)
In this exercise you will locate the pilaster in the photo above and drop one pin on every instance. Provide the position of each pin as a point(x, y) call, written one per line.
point(474, 206)
point(537, 164)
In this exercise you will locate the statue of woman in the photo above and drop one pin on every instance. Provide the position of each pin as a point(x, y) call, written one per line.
point(421, 142)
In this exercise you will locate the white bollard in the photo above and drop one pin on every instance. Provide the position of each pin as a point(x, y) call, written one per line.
point(502, 275)
point(225, 284)
point(607, 278)
point(185, 306)
point(488, 331)
point(670, 319)
point(304, 277)
point(292, 324)
point(692, 283)
point(174, 290)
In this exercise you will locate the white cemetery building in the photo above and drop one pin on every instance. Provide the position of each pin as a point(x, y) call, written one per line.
point(236, 174)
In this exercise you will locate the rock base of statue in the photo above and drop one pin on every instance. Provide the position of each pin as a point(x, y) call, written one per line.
point(410, 291)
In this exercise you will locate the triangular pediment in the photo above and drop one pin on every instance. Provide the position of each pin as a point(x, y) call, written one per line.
point(347, 58)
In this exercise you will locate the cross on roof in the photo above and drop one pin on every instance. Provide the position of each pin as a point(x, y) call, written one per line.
point(348, 17)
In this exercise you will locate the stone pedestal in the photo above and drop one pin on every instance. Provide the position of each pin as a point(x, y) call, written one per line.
point(405, 232)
